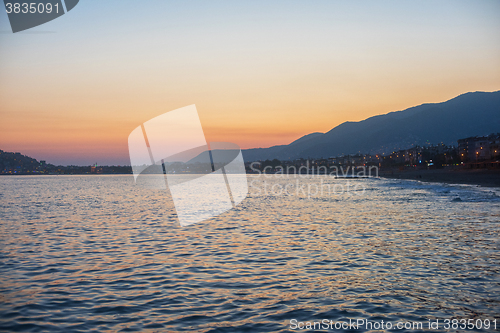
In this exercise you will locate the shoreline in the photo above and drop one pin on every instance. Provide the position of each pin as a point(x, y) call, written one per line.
point(481, 177)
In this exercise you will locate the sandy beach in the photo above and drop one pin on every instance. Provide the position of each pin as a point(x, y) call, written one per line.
point(482, 177)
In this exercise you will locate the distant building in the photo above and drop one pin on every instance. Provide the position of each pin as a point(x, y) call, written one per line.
point(95, 169)
point(495, 148)
point(479, 148)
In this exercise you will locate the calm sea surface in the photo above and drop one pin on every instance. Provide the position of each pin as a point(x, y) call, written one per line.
point(96, 253)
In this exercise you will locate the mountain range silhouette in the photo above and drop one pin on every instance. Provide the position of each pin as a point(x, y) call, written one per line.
point(470, 114)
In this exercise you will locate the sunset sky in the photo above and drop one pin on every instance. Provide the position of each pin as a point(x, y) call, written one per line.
point(261, 73)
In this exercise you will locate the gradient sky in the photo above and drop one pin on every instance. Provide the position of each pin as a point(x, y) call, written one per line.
point(260, 72)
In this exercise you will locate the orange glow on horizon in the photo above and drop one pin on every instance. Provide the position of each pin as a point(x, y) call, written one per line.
point(257, 77)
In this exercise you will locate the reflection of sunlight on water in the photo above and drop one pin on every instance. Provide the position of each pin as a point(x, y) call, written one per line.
point(96, 252)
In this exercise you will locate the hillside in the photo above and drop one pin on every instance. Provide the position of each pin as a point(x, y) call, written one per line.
point(470, 114)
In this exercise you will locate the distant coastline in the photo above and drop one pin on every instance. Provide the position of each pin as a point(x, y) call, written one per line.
point(462, 176)
point(475, 161)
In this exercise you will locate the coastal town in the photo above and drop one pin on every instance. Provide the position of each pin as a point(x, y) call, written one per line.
point(478, 152)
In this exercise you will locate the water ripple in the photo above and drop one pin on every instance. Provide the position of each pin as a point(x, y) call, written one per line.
point(94, 253)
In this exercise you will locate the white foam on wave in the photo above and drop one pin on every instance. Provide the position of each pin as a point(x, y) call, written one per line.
point(453, 192)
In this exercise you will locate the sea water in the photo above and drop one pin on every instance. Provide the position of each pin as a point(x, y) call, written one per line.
point(97, 253)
